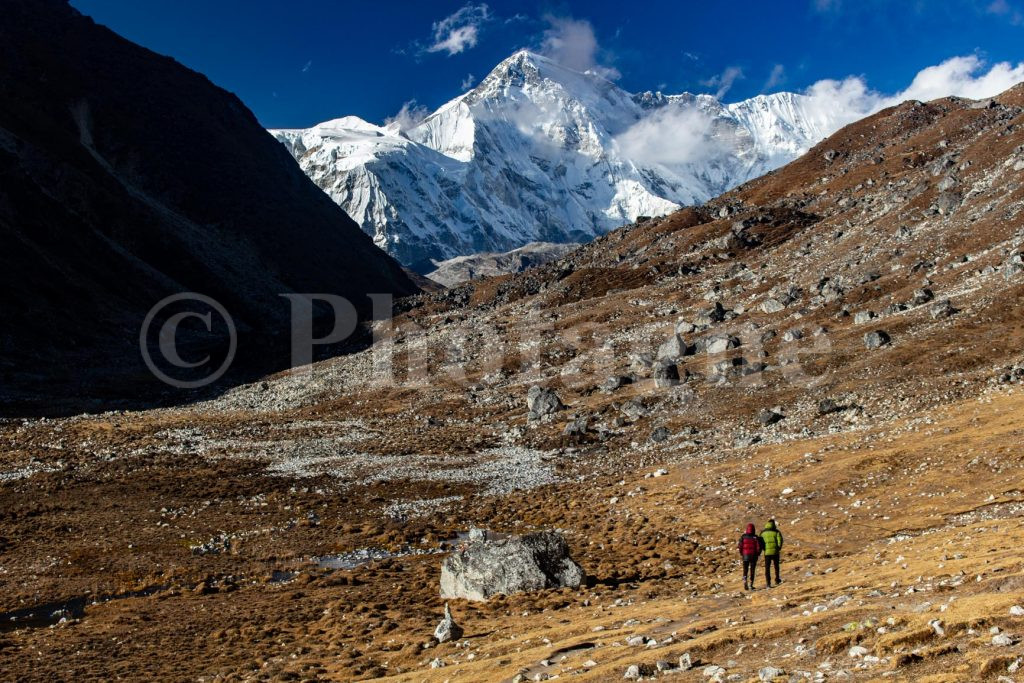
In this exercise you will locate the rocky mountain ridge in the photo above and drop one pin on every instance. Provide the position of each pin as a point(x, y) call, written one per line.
point(538, 152)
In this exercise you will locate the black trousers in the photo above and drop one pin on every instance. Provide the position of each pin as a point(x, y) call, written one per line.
point(749, 568)
point(770, 560)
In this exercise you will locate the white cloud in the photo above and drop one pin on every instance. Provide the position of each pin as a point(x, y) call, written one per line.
point(670, 136)
point(307, 66)
point(675, 134)
point(967, 76)
point(1003, 8)
point(409, 116)
point(460, 30)
point(724, 80)
point(467, 82)
point(964, 77)
point(775, 78)
point(572, 43)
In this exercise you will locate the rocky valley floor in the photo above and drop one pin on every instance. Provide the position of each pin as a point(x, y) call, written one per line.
point(836, 345)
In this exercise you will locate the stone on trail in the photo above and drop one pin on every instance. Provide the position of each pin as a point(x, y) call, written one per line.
point(876, 339)
point(660, 434)
point(447, 629)
point(772, 306)
point(666, 374)
point(943, 309)
point(922, 296)
point(862, 317)
point(674, 348)
point(720, 343)
point(616, 382)
point(514, 564)
point(542, 402)
point(714, 671)
point(770, 673)
point(635, 672)
point(827, 406)
point(577, 427)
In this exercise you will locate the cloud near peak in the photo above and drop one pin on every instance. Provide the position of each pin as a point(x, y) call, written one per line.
point(573, 44)
point(460, 30)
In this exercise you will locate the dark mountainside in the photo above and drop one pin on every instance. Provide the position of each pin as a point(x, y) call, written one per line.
point(126, 177)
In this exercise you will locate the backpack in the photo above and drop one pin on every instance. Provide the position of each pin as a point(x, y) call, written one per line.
point(750, 545)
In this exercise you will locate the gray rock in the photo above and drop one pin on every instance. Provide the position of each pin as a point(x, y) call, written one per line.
point(513, 564)
point(947, 202)
point(921, 297)
point(772, 306)
point(685, 662)
point(862, 317)
point(720, 343)
point(893, 309)
point(793, 334)
point(827, 406)
point(770, 673)
point(542, 402)
point(685, 327)
point(666, 374)
point(876, 339)
point(674, 348)
point(616, 382)
point(768, 417)
point(577, 427)
point(447, 629)
point(1014, 266)
point(715, 314)
point(634, 409)
point(943, 309)
point(660, 434)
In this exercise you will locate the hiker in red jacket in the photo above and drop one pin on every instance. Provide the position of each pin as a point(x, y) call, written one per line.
point(750, 547)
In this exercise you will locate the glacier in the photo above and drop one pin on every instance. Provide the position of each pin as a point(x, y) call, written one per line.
point(538, 152)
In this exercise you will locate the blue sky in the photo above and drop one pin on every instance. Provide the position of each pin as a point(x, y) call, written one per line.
point(300, 62)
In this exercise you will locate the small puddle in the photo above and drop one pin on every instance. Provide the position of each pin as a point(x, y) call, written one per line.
point(356, 558)
point(52, 613)
point(281, 576)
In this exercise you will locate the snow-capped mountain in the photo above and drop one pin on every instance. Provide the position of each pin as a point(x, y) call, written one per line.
point(538, 152)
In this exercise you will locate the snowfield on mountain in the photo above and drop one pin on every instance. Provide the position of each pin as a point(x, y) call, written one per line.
point(538, 152)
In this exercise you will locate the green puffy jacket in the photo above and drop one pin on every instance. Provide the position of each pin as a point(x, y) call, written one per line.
point(772, 538)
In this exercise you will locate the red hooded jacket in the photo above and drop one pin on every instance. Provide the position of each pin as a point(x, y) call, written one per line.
point(750, 543)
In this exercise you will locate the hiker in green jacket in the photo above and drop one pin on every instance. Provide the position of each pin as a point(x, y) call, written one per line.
point(772, 539)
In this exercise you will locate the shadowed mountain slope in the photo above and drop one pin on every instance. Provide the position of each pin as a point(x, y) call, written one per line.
point(126, 177)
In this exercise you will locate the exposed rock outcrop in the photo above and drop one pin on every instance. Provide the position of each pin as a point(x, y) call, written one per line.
point(510, 565)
